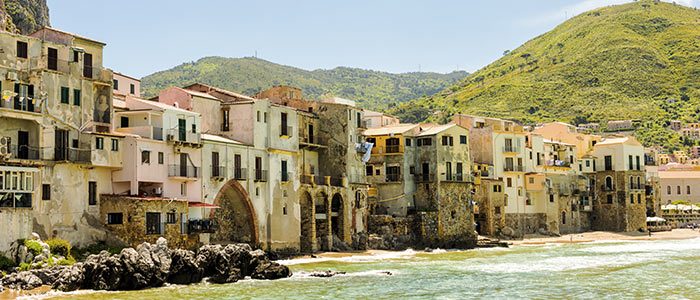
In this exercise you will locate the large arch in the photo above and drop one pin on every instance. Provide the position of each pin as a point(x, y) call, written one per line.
point(236, 216)
point(321, 217)
point(338, 216)
point(307, 238)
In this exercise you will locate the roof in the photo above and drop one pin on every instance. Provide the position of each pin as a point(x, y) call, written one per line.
point(619, 140)
point(116, 103)
point(220, 90)
point(388, 130)
point(679, 174)
point(435, 129)
point(66, 32)
point(220, 139)
point(127, 76)
point(200, 94)
point(680, 207)
point(202, 204)
point(161, 105)
point(556, 142)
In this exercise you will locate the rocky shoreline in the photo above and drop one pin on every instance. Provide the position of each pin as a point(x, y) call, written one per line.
point(152, 265)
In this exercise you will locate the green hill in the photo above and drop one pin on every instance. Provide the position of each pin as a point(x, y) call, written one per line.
point(372, 89)
point(634, 61)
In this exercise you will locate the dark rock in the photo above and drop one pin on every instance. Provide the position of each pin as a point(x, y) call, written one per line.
point(48, 275)
point(360, 241)
point(428, 250)
point(271, 270)
point(327, 273)
point(225, 264)
point(339, 245)
point(257, 257)
point(104, 271)
point(184, 268)
point(386, 273)
point(70, 278)
point(25, 280)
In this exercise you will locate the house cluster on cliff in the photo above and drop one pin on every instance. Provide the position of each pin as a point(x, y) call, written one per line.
point(83, 157)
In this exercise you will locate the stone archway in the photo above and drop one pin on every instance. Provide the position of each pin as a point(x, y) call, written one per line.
point(307, 239)
point(236, 216)
point(321, 217)
point(338, 216)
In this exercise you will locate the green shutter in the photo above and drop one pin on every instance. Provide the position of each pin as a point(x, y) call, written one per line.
point(76, 97)
point(65, 92)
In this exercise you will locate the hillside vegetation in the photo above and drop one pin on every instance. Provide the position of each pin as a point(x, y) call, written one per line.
point(634, 61)
point(372, 89)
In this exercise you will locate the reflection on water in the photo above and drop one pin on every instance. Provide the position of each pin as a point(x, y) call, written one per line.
point(654, 269)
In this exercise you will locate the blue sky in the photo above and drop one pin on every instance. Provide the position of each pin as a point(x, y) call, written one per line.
point(145, 36)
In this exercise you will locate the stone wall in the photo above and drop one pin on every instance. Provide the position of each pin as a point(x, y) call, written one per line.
point(491, 217)
point(621, 214)
point(518, 225)
point(132, 231)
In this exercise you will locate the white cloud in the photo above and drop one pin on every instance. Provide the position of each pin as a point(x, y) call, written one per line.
point(586, 5)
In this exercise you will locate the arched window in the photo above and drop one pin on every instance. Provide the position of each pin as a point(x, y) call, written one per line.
point(668, 189)
point(678, 189)
point(687, 190)
point(563, 217)
point(608, 183)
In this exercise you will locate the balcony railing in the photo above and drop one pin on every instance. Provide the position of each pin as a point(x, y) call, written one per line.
point(218, 172)
point(79, 155)
point(240, 173)
point(388, 149)
point(314, 140)
point(425, 177)
point(286, 176)
point(176, 135)
point(393, 177)
point(508, 168)
point(25, 152)
point(458, 177)
point(183, 171)
point(202, 226)
point(511, 149)
point(285, 130)
point(558, 163)
point(260, 175)
point(157, 133)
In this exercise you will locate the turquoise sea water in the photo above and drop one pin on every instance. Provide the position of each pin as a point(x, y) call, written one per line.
point(606, 270)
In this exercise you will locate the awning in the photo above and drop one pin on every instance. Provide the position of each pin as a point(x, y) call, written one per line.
point(202, 204)
point(655, 219)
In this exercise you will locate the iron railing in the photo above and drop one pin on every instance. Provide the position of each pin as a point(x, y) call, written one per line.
point(510, 149)
point(183, 171)
point(202, 226)
point(260, 175)
point(285, 130)
point(424, 177)
point(508, 168)
point(79, 155)
point(218, 172)
point(25, 152)
point(240, 173)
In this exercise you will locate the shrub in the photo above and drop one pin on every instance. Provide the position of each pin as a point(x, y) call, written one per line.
point(82, 253)
point(66, 261)
point(33, 246)
point(6, 264)
point(59, 247)
point(24, 266)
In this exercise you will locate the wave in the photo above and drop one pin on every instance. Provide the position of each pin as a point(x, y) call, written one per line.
point(351, 258)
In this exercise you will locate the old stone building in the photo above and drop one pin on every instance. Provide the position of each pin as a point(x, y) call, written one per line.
point(55, 142)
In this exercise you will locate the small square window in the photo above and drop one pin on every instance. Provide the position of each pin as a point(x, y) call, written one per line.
point(145, 157)
point(132, 89)
point(171, 218)
point(22, 49)
point(115, 218)
point(65, 95)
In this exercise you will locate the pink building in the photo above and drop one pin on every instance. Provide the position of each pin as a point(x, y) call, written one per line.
point(125, 85)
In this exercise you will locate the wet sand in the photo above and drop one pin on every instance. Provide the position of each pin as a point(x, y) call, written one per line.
point(601, 236)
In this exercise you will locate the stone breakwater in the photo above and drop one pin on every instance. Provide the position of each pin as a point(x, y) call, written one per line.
point(152, 265)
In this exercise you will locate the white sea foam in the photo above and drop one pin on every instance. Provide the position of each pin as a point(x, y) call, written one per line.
point(647, 246)
point(407, 254)
point(303, 274)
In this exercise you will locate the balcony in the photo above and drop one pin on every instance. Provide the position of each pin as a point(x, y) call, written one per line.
point(425, 177)
point(218, 172)
point(286, 176)
point(557, 163)
point(202, 226)
point(179, 136)
point(392, 149)
point(149, 132)
point(312, 141)
point(79, 155)
point(459, 177)
point(508, 168)
point(96, 73)
point(183, 171)
point(393, 177)
point(25, 152)
point(261, 175)
point(511, 149)
point(286, 130)
point(240, 173)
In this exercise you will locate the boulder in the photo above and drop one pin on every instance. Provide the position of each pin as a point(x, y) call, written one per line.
point(104, 271)
point(70, 278)
point(184, 268)
point(271, 270)
point(24, 280)
point(224, 264)
point(327, 273)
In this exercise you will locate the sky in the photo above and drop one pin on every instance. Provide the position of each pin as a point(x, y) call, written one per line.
point(146, 36)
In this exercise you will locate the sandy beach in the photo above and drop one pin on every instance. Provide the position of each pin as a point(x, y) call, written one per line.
point(601, 236)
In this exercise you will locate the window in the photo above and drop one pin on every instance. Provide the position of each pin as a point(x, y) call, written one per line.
point(75, 143)
point(285, 175)
point(76, 56)
point(463, 139)
point(161, 158)
point(369, 170)
point(497, 210)
point(531, 180)
point(678, 190)
point(668, 190)
point(283, 125)
point(588, 163)
point(509, 182)
point(99, 143)
point(630, 162)
point(631, 182)
point(447, 141)
point(359, 120)
point(608, 183)
point(65, 95)
point(610, 199)
point(145, 157)
point(45, 192)
point(115, 84)
point(284, 209)
point(393, 173)
point(52, 59)
point(170, 218)
point(92, 193)
point(448, 170)
point(687, 190)
point(551, 198)
point(563, 217)
point(76, 97)
point(258, 116)
point(392, 145)
point(631, 198)
point(265, 117)
point(412, 170)
point(225, 121)
point(639, 168)
point(608, 163)
point(408, 142)
point(124, 122)
point(215, 170)
point(115, 145)
point(153, 223)
point(22, 49)
point(115, 218)
point(194, 128)
point(425, 142)
point(132, 89)
point(183, 189)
